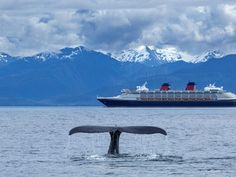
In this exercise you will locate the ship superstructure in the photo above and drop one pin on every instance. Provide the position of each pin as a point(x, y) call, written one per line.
point(143, 97)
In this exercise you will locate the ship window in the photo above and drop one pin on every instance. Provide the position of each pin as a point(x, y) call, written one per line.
point(207, 95)
point(191, 96)
point(201, 95)
point(158, 95)
point(178, 95)
point(164, 95)
point(150, 95)
point(184, 95)
point(170, 95)
point(142, 95)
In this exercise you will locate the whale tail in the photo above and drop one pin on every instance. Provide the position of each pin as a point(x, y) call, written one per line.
point(129, 129)
point(115, 133)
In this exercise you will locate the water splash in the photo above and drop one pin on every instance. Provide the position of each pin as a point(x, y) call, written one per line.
point(67, 148)
point(89, 157)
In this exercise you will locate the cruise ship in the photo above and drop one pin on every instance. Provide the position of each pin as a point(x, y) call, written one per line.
point(210, 96)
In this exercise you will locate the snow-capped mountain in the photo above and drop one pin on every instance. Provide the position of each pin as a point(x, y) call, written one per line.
point(4, 57)
point(75, 76)
point(207, 55)
point(65, 53)
point(45, 56)
point(156, 56)
point(148, 55)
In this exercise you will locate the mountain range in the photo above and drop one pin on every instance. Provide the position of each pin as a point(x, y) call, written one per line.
point(75, 76)
point(153, 56)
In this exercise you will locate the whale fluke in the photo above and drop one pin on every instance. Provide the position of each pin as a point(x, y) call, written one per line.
point(129, 129)
point(115, 133)
point(143, 130)
point(91, 129)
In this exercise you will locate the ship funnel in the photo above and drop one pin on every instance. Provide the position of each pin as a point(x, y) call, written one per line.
point(165, 87)
point(191, 86)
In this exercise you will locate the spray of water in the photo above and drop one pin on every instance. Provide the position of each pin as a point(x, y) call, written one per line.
point(67, 149)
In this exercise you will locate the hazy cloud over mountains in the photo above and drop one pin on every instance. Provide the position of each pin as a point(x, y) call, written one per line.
point(28, 27)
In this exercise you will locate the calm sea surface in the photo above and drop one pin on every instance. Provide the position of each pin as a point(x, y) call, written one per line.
point(34, 142)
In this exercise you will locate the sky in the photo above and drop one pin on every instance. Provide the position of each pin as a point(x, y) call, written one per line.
point(28, 27)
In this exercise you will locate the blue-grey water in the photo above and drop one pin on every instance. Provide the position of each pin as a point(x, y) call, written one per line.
point(34, 142)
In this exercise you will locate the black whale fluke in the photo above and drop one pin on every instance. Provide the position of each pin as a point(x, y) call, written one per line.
point(91, 129)
point(143, 130)
point(129, 129)
point(115, 133)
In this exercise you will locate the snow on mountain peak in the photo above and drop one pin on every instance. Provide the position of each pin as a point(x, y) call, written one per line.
point(148, 54)
point(65, 53)
point(4, 57)
point(46, 55)
point(208, 55)
point(170, 54)
point(69, 53)
point(139, 54)
point(156, 56)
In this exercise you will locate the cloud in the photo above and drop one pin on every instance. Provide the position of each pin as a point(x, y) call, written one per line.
point(112, 29)
point(29, 27)
point(195, 30)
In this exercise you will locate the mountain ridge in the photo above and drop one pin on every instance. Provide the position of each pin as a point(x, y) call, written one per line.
point(75, 76)
point(149, 54)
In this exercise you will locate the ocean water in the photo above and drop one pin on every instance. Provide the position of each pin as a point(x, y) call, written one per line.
point(34, 142)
